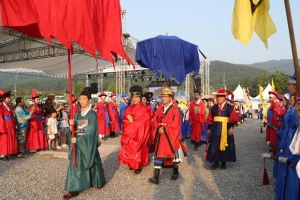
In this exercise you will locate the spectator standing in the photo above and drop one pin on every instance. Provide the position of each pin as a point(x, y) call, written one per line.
point(250, 112)
point(63, 126)
point(52, 131)
point(23, 116)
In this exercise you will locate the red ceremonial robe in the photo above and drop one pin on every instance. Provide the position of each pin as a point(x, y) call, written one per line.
point(103, 127)
point(8, 136)
point(197, 118)
point(168, 143)
point(113, 114)
point(272, 120)
point(135, 137)
point(36, 136)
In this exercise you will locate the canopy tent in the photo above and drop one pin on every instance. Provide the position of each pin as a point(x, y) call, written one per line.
point(238, 93)
point(266, 91)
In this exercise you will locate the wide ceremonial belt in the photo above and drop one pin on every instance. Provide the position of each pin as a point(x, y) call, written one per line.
point(224, 121)
point(8, 118)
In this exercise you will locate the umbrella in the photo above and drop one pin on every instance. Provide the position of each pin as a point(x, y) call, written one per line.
point(95, 25)
point(170, 55)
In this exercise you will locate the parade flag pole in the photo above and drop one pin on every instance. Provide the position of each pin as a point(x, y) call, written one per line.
point(293, 42)
point(71, 108)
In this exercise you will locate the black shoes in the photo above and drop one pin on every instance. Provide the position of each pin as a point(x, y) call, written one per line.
point(155, 178)
point(70, 195)
point(223, 165)
point(215, 166)
point(175, 173)
point(138, 171)
point(4, 158)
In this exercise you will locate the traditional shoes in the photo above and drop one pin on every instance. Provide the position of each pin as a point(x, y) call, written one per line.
point(70, 195)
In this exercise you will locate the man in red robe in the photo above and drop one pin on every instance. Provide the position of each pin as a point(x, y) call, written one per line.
point(166, 130)
point(197, 118)
point(36, 138)
point(102, 115)
point(113, 114)
point(274, 112)
point(135, 133)
point(8, 136)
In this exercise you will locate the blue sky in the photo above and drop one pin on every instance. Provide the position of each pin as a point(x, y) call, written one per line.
point(207, 23)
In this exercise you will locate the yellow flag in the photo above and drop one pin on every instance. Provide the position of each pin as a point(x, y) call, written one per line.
point(252, 15)
point(273, 86)
point(261, 98)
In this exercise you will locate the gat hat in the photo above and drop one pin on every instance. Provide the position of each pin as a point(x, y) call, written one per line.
point(273, 93)
point(87, 91)
point(4, 92)
point(136, 90)
point(124, 95)
point(101, 94)
point(223, 92)
point(292, 78)
point(112, 94)
point(148, 95)
point(166, 89)
point(34, 94)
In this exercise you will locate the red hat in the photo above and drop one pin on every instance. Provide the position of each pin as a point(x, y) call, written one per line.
point(102, 94)
point(223, 92)
point(73, 99)
point(112, 94)
point(4, 92)
point(34, 94)
point(275, 93)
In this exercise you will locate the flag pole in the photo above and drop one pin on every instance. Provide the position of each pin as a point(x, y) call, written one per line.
point(71, 108)
point(293, 42)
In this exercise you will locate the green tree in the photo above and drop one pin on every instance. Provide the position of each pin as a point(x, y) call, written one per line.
point(280, 81)
point(79, 88)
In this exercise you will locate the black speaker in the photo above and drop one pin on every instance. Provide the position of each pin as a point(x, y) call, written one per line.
point(94, 87)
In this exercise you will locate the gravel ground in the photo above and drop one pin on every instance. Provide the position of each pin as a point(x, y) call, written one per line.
point(43, 176)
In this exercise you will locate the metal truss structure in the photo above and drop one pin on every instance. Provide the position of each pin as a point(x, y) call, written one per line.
point(187, 87)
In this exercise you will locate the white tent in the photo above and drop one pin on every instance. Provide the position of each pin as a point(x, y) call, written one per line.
point(238, 93)
point(266, 91)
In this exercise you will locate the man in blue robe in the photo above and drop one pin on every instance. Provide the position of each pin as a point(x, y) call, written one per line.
point(123, 106)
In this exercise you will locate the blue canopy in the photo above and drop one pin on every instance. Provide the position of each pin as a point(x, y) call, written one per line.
point(169, 54)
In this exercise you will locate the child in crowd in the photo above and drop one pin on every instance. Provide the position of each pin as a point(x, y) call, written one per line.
point(52, 130)
point(63, 126)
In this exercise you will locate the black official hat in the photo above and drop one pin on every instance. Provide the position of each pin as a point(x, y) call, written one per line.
point(87, 91)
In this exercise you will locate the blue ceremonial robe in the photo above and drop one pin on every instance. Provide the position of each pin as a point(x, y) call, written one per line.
point(287, 181)
point(123, 107)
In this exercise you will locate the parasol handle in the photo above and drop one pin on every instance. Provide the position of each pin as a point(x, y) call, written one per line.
point(71, 108)
point(293, 42)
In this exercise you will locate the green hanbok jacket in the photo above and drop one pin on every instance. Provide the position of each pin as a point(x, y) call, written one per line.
point(89, 171)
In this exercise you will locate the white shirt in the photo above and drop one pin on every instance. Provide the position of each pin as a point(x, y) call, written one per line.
point(52, 125)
